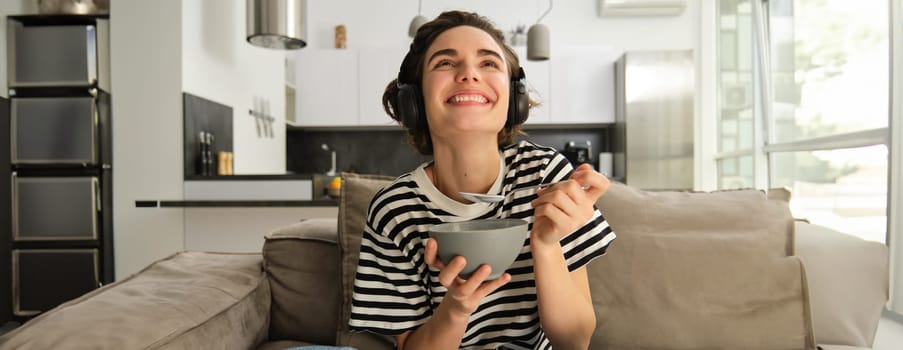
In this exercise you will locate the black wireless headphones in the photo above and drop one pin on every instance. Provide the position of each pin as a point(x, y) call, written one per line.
point(412, 113)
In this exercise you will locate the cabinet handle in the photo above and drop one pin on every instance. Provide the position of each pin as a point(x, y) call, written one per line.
point(97, 195)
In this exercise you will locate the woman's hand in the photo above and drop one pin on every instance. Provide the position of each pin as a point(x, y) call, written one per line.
point(562, 208)
point(463, 296)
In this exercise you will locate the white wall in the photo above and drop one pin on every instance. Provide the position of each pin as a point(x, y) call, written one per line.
point(384, 23)
point(219, 65)
point(146, 73)
point(10, 7)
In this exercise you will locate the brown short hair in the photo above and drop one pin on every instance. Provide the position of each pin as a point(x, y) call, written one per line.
point(411, 72)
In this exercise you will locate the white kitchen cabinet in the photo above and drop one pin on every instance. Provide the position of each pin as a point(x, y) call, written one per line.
point(582, 85)
point(343, 88)
point(377, 67)
point(326, 83)
point(538, 85)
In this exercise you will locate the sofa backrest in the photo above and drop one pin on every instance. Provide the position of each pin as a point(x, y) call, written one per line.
point(354, 200)
point(699, 270)
point(303, 267)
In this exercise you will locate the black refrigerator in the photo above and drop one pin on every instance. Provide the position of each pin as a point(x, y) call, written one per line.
point(60, 160)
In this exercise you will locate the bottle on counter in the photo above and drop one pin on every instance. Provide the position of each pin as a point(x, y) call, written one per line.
point(223, 163)
point(340, 36)
point(202, 160)
point(209, 157)
point(230, 165)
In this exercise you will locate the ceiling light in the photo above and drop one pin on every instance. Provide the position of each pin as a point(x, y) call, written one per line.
point(538, 39)
point(417, 21)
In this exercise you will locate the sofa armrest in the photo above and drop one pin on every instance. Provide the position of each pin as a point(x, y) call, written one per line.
point(190, 300)
point(848, 284)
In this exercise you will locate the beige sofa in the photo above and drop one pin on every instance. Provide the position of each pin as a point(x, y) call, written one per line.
point(718, 270)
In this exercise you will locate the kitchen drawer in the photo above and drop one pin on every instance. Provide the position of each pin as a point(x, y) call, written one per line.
point(41, 55)
point(55, 208)
point(45, 278)
point(54, 130)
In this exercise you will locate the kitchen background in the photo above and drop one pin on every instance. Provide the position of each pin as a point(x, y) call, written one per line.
point(385, 152)
point(162, 49)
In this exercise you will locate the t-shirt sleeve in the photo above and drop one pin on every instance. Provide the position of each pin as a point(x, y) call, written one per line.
point(592, 239)
point(389, 295)
point(588, 242)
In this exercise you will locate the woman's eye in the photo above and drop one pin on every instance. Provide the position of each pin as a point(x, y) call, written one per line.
point(444, 63)
point(491, 64)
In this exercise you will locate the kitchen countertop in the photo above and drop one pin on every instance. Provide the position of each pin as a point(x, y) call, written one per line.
point(251, 177)
point(239, 198)
point(234, 203)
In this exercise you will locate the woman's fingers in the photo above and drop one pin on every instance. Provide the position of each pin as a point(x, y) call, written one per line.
point(562, 208)
point(472, 283)
point(598, 183)
point(490, 286)
point(429, 254)
point(448, 275)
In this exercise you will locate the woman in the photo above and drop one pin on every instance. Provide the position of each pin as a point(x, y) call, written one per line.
point(460, 96)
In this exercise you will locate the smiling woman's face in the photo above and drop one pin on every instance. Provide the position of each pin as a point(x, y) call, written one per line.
point(465, 84)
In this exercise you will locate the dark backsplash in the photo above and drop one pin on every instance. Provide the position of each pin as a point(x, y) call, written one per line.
point(385, 151)
point(359, 151)
point(200, 114)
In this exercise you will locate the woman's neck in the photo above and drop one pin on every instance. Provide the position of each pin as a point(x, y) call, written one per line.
point(464, 168)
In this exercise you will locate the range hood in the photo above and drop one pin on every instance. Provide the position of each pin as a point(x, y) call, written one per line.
point(277, 24)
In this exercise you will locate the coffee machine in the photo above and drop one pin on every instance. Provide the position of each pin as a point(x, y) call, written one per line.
point(579, 154)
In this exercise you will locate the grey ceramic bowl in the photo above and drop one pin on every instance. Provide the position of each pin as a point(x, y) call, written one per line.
point(494, 242)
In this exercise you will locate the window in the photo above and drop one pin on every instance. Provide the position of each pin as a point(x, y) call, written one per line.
point(844, 189)
point(817, 122)
point(736, 95)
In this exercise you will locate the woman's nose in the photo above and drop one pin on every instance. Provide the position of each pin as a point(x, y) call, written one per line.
point(468, 73)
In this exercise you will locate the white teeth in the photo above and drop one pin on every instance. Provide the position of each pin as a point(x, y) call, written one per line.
point(468, 98)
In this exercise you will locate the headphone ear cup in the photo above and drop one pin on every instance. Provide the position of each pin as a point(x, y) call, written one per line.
point(409, 101)
point(518, 104)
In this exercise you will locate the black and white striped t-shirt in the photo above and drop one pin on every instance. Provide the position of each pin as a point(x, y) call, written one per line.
point(396, 291)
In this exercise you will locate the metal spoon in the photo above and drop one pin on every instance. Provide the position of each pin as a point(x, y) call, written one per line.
point(495, 198)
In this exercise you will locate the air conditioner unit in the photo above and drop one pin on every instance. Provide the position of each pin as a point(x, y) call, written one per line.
point(614, 8)
point(736, 96)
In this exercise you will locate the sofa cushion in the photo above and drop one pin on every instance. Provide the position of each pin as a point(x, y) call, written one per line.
point(848, 279)
point(302, 263)
point(719, 213)
point(356, 193)
point(698, 271)
point(190, 300)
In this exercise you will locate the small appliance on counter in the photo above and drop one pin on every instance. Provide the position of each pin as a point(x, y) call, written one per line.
point(579, 154)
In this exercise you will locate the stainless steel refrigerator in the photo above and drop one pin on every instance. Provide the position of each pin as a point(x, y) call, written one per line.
point(654, 128)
